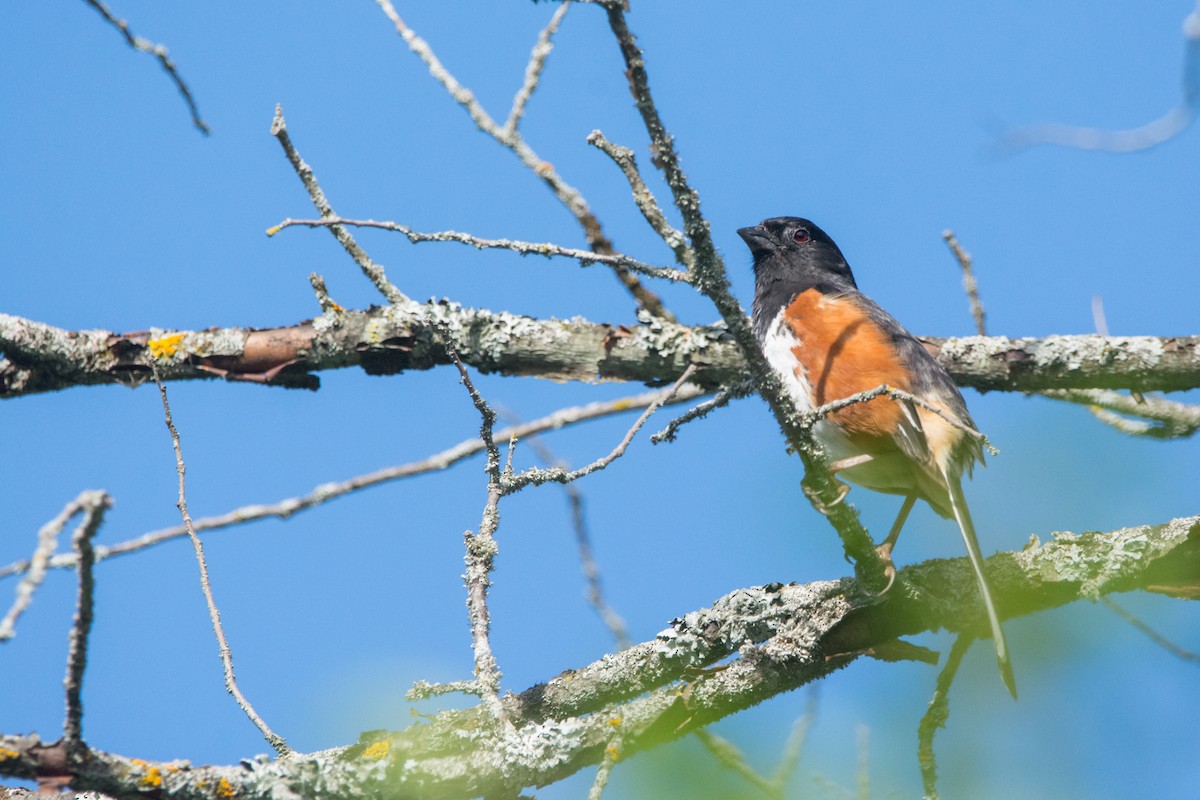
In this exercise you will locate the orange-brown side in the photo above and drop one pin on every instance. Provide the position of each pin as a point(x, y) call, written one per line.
point(842, 353)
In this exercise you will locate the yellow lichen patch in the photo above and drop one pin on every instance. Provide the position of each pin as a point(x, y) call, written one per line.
point(224, 789)
point(613, 751)
point(6, 754)
point(377, 750)
point(152, 778)
point(615, 721)
point(165, 346)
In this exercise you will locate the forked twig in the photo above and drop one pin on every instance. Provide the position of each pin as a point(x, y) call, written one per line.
point(511, 138)
point(214, 615)
point(374, 272)
point(481, 555)
point(546, 249)
point(284, 509)
point(536, 477)
point(644, 198)
point(36, 567)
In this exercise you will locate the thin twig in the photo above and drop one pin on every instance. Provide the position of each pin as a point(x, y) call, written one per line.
point(863, 741)
point(612, 753)
point(159, 52)
point(591, 570)
point(536, 477)
point(374, 272)
point(524, 248)
point(533, 70)
point(970, 285)
point(733, 759)
point(284, 509)
point(794, 747)
point(567, 194)
point(480, 557)
point(701, 410)
point(900, 395)
point(937, 714)
point(214, 614)
point(644, 198)
point(327, 303)
point(37, 566)
point(94, 505)
point(1155, 636)
point(423, 690)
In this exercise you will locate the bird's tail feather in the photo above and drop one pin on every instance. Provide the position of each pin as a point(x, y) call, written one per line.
point(962, 516)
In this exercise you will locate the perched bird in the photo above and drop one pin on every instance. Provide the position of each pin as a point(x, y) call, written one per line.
point(828, 341)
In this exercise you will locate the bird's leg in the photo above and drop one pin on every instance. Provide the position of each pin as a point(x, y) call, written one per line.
point(885, 547)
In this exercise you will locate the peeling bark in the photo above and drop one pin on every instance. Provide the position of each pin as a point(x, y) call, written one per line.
point(382, 341)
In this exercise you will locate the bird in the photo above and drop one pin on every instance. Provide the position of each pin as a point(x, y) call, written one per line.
point(828, 341)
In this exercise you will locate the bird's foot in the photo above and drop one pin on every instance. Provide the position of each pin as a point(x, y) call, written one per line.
point(825, 508)
point(889, 567)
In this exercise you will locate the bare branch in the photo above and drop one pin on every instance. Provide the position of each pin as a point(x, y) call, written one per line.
point(480, 558)
point(1179, 652)
point(900, 396)
point(214, 615)
point(700, 411)
point(36, 567)
point(159, 52)
point(536, 477)
point(510, 138)
point(546, 249)
point(533, 70)
point(646, 202)
point(325, 492)
point(970, 285)
point(94, 504)
point(374, 272)
point(583, 540)
point(1164, 419)
point(937, 714)
point(729, 756)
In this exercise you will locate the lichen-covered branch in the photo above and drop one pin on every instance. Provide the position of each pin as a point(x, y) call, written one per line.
point(783, 637)
point(40, 358)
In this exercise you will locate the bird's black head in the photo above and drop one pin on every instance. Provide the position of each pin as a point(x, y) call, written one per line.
point(794, 249)
point(792, 255)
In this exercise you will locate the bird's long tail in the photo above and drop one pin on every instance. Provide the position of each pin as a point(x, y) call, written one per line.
point(962, 515)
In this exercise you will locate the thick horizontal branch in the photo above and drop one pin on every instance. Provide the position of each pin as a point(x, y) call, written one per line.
point(783, 637)
point(40, 358)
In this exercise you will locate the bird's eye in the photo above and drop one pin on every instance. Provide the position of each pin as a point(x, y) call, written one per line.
point(800, 235)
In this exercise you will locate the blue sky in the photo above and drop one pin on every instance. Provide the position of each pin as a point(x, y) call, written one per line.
point(877, 120)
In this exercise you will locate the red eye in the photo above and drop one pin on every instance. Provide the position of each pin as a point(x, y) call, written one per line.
point(800, 236)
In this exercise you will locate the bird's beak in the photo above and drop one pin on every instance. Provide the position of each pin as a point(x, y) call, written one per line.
point(757, 239)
